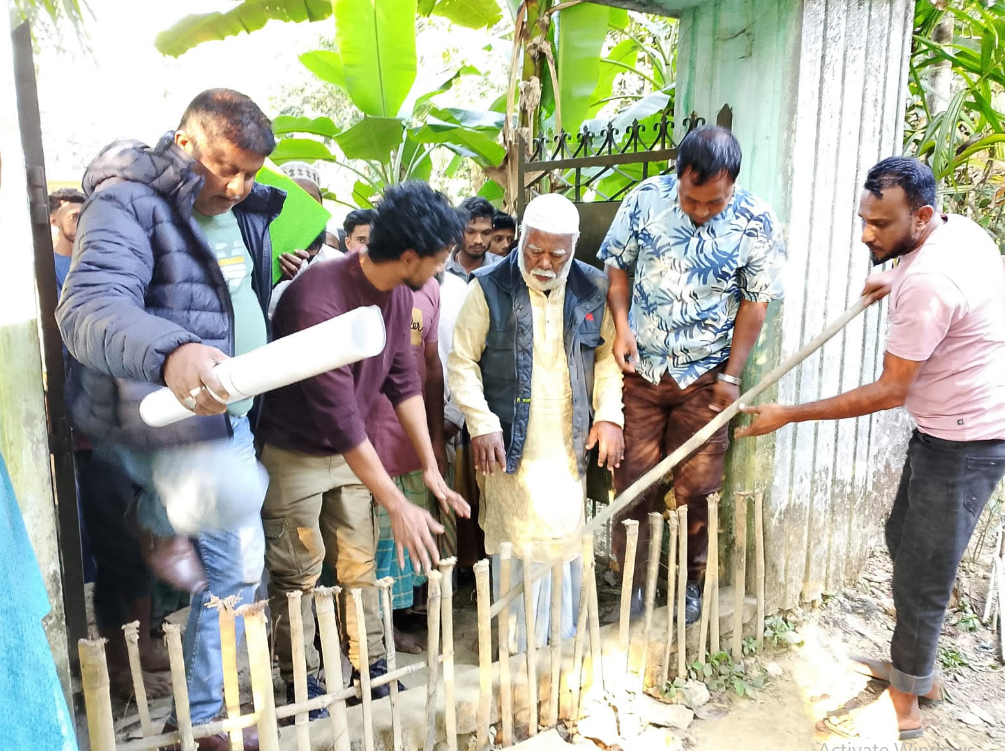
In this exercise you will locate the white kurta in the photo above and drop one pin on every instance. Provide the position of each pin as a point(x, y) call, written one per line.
point(543, 503)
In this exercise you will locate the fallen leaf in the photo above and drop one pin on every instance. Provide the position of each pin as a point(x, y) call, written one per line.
point(970, 718)
point(983, 714)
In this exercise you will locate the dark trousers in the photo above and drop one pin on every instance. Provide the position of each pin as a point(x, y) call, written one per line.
point(121, 576)
point(658, 420)
point(943, 489)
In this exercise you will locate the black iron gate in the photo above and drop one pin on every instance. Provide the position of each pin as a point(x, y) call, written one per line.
point(597, 170)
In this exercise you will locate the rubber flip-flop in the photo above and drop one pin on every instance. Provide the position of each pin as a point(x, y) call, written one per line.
point(844, 726)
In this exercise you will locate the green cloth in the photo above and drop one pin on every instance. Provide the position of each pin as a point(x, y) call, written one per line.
point(228, 246)
point(300, 222)
point(407, 579)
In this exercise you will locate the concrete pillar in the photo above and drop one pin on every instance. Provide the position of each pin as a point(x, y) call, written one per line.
point(23, 434)
point(817, 89)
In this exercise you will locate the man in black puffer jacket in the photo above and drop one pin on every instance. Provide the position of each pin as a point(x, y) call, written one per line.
point(170, 275)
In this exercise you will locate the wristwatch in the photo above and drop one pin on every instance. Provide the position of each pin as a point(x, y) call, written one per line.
point(726, 378)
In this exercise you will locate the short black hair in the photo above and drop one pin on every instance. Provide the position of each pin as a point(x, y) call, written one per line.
point(476, 207)
point(355, 218)
point(913, 175)
point(502, 220)
point(413, 216)
point(232, 116)
point(65, 195)
point(709, 151)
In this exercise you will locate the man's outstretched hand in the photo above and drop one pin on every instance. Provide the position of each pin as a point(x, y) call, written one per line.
point(414, 530)
point(449, 500)
point(767, 419)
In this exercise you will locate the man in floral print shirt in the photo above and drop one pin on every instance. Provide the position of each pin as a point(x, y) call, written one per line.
point(706, 258)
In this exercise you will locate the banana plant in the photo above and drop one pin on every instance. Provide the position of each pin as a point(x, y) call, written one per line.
point(963, 141)
point(399, 124)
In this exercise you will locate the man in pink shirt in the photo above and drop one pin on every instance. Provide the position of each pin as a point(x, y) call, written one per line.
point(944, 361)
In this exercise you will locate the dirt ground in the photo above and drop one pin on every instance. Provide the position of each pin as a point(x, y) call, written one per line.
point(816, 677)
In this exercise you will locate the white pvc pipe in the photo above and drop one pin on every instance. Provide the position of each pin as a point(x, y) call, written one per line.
point(340, 341)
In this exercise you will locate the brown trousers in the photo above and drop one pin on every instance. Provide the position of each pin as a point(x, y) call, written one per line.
point(658, 420)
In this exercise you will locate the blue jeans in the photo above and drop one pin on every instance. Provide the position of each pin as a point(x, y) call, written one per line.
point(572, 577)
point(943, 489)
point(213, 492)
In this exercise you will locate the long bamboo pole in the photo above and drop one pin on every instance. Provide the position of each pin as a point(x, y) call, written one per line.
point(530, 627)
point(687, 448)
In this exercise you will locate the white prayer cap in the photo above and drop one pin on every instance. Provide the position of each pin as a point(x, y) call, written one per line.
point(301, 171)
point(552, 213)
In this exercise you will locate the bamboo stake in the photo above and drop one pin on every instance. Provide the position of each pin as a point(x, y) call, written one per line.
point(627, 582)
point(447, 647)
point(364, 670)
point(581, 627)
point(482, 589)
point(652, 575)
point(433, 655)
point(97, 694)
point(132, 636)
point(739, 571)
point(671, 595)
point(681, 591)
point(385, 585)
point(505, 685)
point(324, 603)
point(1001, 611)
point(596, 648)
point(530, 626)
point(228, 655)
point(293, 601)
point(260, 659)
point(759, 563)
point(183, 713)
point(555, 642)
point(695, 442)
point(713, 567)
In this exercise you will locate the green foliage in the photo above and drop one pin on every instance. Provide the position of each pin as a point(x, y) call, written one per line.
point(779, 633)
point(249, 16)
point(962, 138)
point(582, 30)
point(968, 618)
point(952, 660)
point(719, 673)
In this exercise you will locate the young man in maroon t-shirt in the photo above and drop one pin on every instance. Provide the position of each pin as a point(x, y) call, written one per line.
point(322, 465)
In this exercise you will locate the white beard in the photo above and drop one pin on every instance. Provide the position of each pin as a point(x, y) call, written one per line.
point(554, 280)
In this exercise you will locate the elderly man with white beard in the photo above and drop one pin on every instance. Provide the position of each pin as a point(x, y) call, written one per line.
point(533, 370)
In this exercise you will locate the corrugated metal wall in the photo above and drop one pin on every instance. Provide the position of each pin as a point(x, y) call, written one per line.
point(817, 88)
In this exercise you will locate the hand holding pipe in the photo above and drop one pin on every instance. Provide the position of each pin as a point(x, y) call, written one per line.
point(695, 442)
point(342, 340)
